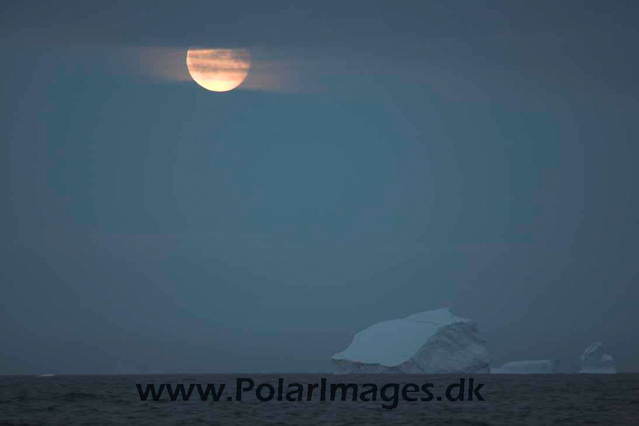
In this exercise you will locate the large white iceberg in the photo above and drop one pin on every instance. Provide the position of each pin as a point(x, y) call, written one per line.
point(542, 366)
point(595, 360)
point(432, 342)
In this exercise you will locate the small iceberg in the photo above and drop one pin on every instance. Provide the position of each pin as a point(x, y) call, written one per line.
point(542, 366)
point(595, 360)
point(46, 375)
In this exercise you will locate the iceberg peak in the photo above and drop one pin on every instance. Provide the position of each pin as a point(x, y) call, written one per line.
point(427, 342)
point(595, 360)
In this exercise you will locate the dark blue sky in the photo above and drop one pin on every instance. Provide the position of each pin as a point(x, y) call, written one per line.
point(477, 155)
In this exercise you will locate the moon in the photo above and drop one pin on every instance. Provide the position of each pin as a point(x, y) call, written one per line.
point(218, 70)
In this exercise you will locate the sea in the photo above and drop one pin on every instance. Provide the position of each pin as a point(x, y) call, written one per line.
point(559, 399)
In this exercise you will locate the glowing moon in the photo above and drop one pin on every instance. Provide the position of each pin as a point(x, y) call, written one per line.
point(218, 70)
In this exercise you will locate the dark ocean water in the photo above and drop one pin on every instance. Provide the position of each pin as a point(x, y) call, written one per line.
point(568, 399)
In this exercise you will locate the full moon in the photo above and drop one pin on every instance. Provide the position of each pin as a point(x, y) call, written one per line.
point(218, 70)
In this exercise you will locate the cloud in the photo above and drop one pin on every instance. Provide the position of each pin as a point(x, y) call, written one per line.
point(165, 64)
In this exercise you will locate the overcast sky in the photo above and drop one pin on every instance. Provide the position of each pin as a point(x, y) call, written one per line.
point(415, 155)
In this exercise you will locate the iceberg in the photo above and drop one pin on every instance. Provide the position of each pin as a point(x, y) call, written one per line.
point(595, 360)
point(432, 342)
point(542, 366)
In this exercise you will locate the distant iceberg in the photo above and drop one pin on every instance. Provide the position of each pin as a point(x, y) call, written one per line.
point(46, 375)
point(543, 366)
point(595, 360)
point(432, 342)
